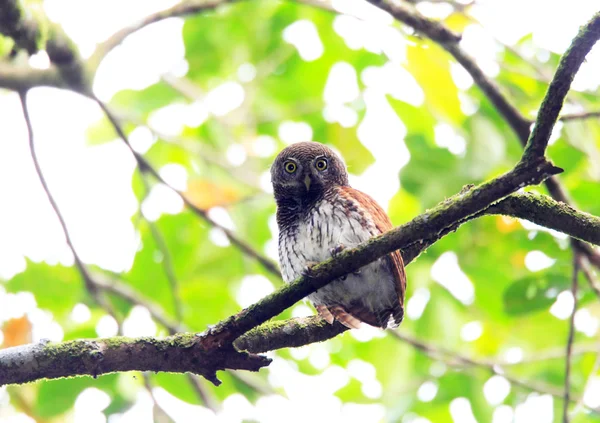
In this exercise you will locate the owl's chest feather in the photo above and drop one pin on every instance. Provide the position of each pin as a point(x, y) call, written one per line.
point(314, 234)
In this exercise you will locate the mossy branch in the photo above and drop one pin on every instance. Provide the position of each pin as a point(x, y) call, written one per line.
point(205, 354)
point(426, 226)
point(544, 211)
point(213, 350)
point(569, 64)
point(179, 353)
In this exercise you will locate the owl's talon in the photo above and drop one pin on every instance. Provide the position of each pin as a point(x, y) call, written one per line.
point(334, 251)
point(306, 272)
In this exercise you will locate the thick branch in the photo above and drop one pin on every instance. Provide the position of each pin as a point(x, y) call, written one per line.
point(544, 211)
point(215, 345)
point(22, 78)
point(422, 227)
point(179, 353)
point(559, 87)
point(519, 124)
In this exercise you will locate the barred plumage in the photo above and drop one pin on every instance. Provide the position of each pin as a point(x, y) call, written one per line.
point(318, 213)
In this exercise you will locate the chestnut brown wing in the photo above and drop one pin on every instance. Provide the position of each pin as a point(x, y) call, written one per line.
point(383, 224)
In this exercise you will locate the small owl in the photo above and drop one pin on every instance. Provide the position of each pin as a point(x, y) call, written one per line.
point(319, 215)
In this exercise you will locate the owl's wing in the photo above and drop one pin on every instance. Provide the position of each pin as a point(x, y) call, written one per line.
point(383, 224)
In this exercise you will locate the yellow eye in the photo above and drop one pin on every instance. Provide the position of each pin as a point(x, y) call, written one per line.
point(290, 167)
point(321, 164)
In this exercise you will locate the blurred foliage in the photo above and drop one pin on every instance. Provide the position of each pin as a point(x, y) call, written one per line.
point(510, 302)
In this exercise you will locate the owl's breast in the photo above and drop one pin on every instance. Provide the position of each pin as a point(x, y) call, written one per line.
point(312, 236)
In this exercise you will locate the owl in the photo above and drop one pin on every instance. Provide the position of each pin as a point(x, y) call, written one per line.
point(319, 214)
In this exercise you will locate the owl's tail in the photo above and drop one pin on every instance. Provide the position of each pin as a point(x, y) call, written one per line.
point(357, 313)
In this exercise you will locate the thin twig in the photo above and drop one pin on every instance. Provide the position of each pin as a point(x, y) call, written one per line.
point(88, 280)
point(581, 404)
point(570, 338)
point(454, 359)
point(145, 166)
point(585, 268)
point(163, 415)
point(167, 262)
point(580, 115)
point(202, 392)
point(407, 14)
point(184, 8)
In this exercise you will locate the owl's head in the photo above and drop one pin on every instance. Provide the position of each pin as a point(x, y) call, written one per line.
point(306, 170)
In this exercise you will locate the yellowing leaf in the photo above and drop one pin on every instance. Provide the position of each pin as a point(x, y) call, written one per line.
point(430, 66)
point(506, 224)
point(17, 332)
point(206, 194)
point(458, 22)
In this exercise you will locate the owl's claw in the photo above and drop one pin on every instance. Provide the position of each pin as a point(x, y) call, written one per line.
point(335, 251)
point(306, 272)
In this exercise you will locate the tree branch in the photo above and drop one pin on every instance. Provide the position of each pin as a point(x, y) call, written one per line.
point(544, 211)
point(179, 353)
point(88, 280)
point(185, 8)
point(520, 125)
point(409, 15)
point(559, 87)
point(22, 78)
point(216, 342)
point(567, 117)
point(422, 227)
point(570, 339)
point(145, 166)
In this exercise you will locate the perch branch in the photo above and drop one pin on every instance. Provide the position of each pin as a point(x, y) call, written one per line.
point(179, 353)
point(215, 344)
point(422, 227)
point(22, 78)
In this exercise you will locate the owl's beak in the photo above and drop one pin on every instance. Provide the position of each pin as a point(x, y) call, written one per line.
point(307, 182)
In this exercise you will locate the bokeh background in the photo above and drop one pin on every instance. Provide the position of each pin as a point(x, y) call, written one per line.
point(209, 100)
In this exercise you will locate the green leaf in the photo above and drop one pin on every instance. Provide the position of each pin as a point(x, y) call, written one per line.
point(56, 288)
point(534, 293)
point(57, 396)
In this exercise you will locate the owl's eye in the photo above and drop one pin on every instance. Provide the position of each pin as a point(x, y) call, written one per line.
point(321, 164)
point(290, 167)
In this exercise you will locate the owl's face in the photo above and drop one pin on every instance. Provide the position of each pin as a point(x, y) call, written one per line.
point(305, 170)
